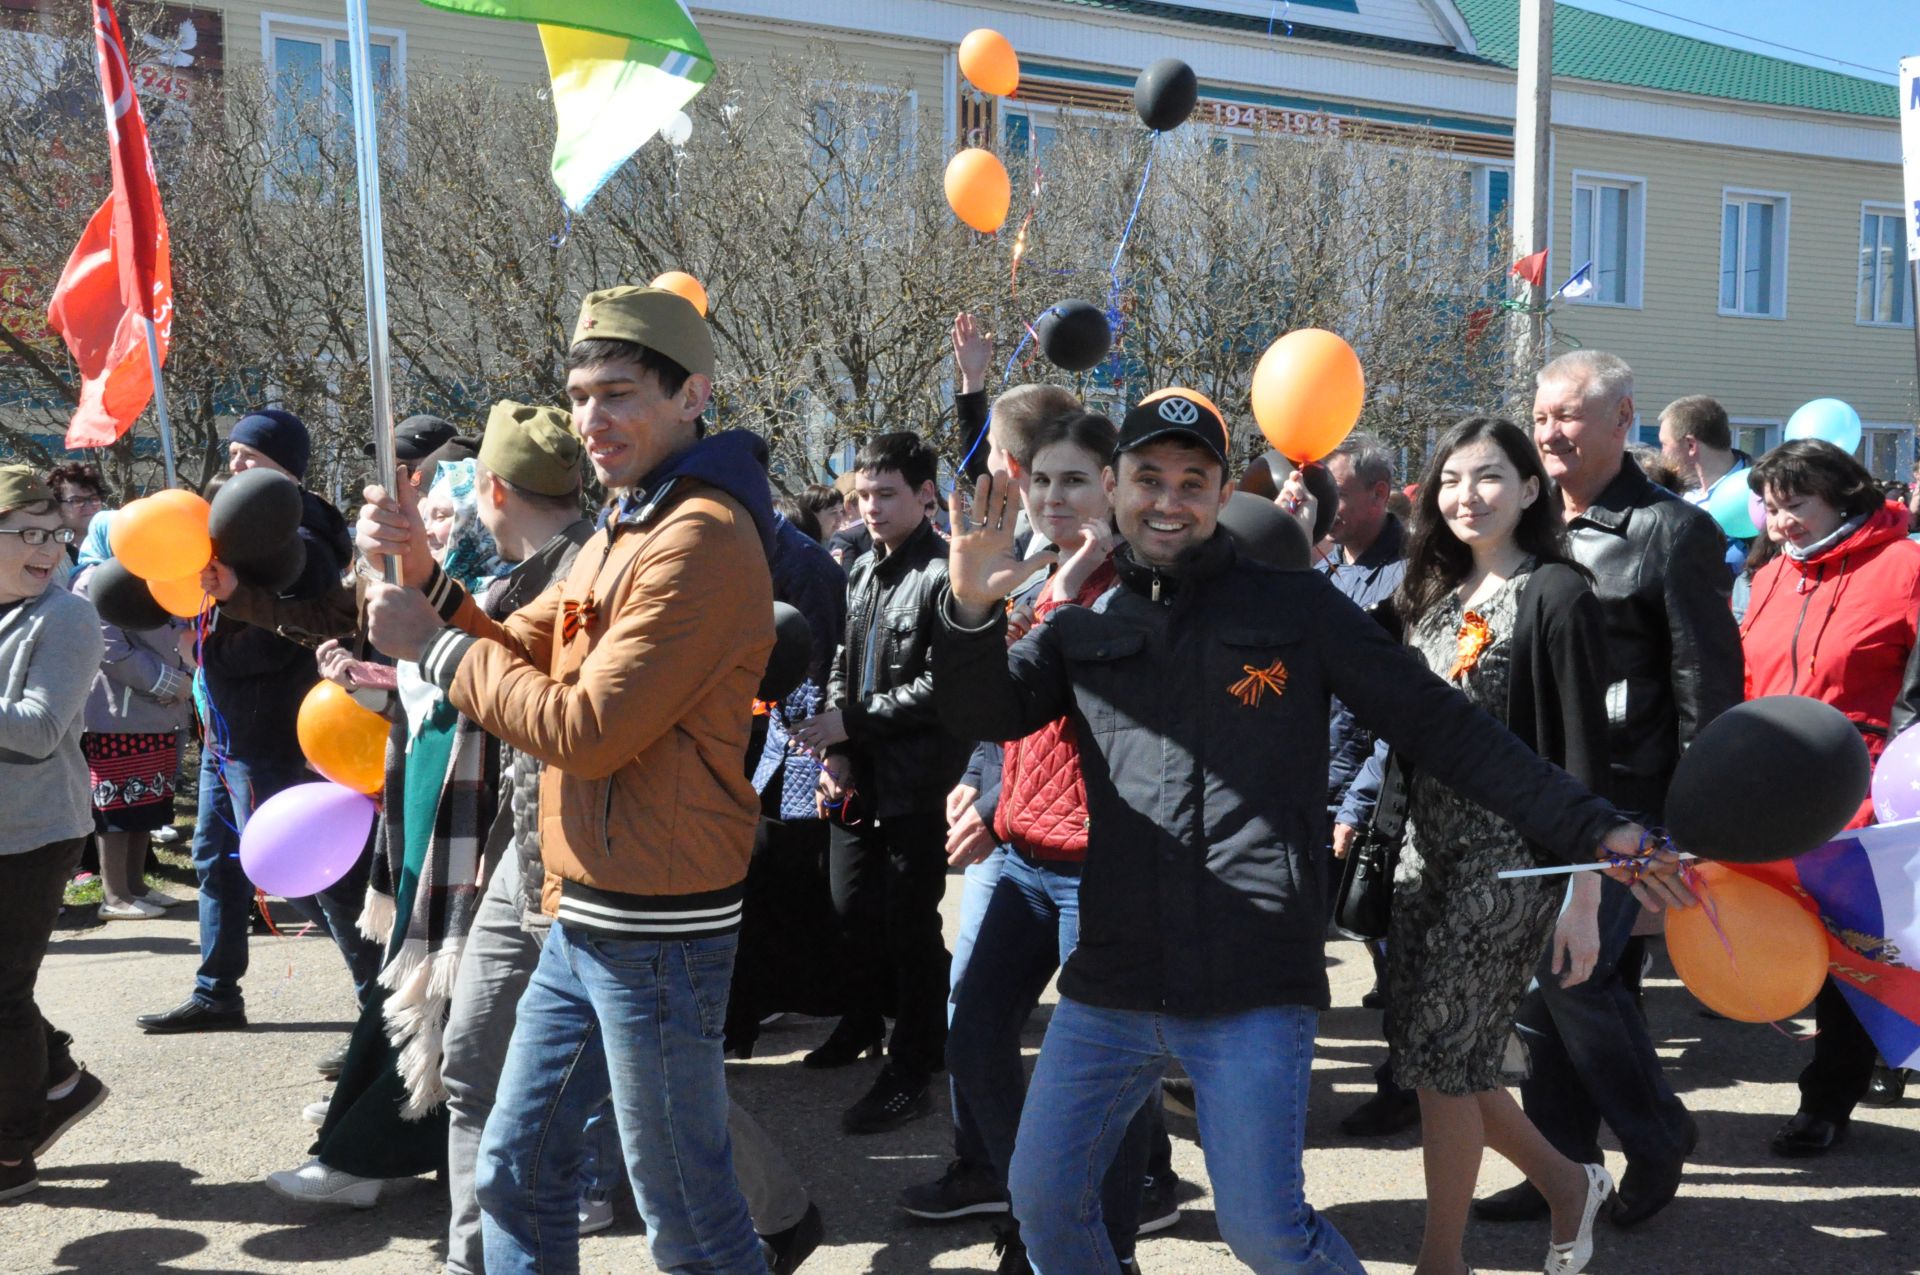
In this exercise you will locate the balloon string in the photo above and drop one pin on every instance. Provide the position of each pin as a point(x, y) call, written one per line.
point(1690, 877)
point(1115, 323)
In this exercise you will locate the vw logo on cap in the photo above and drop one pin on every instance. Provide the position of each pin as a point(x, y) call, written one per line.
point(1178, 411)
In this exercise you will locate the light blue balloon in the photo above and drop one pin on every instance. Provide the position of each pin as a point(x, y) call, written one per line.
point(1730, 509)
point(1827, 418)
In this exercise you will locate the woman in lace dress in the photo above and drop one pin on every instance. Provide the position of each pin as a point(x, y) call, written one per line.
point(1494, 604)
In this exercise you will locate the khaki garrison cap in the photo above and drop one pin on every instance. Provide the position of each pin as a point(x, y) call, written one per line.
point(532, 447)
point(663, 321)
point(20, 485)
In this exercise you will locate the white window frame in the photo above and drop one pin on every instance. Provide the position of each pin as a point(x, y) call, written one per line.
point(1635, 264)
point(1774, 427)
point(1783, 215)
point(1878, 208)
point(324, 32)
point(1904, 431)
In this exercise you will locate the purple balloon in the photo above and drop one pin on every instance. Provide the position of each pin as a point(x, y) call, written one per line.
point(303, 839)
point(1896, 780)
point(1757, 510)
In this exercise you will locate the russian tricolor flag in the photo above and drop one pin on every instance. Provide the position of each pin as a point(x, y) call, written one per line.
point(1865, 888)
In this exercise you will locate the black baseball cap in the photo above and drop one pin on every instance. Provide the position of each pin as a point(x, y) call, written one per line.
point(416, 438)
point(1174, 411)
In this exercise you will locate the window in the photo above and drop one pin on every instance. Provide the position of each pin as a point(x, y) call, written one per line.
point(1753, 254)
point(1609, 228)
point(1886, 451)
point(1884, 294)
point(312, 86)
point(1755, 438)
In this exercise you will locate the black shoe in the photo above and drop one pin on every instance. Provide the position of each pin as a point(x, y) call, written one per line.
point(1808, 1135)
point(1649, 1186)
point(1176, 1096)
point(1520, 1203)
point(1375, 999)
point(18, 1179)
point(331, 1064)
point(192, 1015)
point(1388, 1111)
point(64, 1113)
point(849, 1040)
point(964, 1190)
point(787, 1249)
point(895, 1099)
point(1158, 1208)
point(1011, 1251)
point(1888, 1087)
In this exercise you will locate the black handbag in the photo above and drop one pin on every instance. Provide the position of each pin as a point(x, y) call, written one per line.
point(1365, 899)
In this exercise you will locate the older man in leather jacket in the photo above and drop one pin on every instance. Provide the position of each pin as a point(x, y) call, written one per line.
point(1676, 664)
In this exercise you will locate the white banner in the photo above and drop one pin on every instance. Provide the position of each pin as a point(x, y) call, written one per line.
point(1910, 148)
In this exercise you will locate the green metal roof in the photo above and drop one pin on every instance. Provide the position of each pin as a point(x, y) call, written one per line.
point(1593, 46)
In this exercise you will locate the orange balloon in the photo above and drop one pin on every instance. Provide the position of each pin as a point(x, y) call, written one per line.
point(345, 742)
point(682, 284)
point(1307, 392)
point(180, 597)
point(989, 62)
point(1779, 950)
point(978, 189)
point(162, 536)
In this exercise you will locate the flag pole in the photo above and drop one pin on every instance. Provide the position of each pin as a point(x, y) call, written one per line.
point(373, 256)
point(160, 401)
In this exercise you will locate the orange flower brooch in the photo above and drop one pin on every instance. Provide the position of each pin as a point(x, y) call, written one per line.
point(1475, 638)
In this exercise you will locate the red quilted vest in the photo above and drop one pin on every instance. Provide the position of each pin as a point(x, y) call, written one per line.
point(1043, 796)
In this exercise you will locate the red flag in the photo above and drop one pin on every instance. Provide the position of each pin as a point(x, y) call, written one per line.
point(1477, 324)
point(1533, 269)
point(119, 274)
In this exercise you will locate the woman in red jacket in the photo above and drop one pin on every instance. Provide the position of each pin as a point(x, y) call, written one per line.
point(1032, 921)
point(1832, 617)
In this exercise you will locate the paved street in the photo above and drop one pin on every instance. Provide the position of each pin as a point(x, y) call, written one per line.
point(166, 1176)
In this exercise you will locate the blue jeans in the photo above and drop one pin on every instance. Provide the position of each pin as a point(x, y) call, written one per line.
point(229, 792)
point(1249, 1069)
point(976, 888)
point(641, 1020)
point(1032, 925)
point(1592, 1059)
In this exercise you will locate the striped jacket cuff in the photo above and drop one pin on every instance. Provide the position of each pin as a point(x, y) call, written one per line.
point(611, 914)
point(441, 660)
point(444, 593)
point(170, 685)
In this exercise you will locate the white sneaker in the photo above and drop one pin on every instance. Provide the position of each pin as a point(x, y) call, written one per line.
point(161, 899)
point(131, 910)
point(315, 1113)
point(166, 836)
point(596, 1213)
point(314, 1183)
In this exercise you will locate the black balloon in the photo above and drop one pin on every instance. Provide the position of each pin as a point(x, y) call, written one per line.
point(1265, 533)
point(254, 514)
point(1768, 779)
point(1165, 93)
point(1264, 475)
point(275, 571)
point(122, 598)
point(792, 653)
point(1074, 335)
point(1268, 473)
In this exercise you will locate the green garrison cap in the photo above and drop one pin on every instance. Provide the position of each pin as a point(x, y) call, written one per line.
point(532, 447)
point(663, 321)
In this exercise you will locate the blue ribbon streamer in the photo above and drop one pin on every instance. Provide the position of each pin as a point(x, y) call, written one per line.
point(1114, 324)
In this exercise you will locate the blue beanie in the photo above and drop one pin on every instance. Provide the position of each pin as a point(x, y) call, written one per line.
point(277, 435)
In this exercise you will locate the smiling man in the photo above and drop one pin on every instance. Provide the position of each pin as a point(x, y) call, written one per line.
point(1198, 692)
point(631, 679)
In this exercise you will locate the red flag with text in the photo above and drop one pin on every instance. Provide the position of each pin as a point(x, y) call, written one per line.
point(119, 275)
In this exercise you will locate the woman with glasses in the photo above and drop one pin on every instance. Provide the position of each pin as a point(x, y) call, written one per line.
point(79, 492)
point(50, 648)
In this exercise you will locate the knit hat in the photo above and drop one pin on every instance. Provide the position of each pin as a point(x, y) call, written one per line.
point(277, 435)
point(21, 485)
point(532, 447)
point(665, 322)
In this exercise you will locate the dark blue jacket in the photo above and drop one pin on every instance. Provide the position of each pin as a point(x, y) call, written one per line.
point(1370, 580)
point(806, 578)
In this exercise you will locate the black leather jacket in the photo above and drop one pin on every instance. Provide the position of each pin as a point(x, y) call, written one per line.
point(1659, 570)
point(882, 682)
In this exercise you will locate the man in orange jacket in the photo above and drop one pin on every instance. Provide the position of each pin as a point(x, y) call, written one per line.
point(631, 679)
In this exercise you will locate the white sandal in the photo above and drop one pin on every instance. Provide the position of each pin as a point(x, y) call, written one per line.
point(1572, 1257)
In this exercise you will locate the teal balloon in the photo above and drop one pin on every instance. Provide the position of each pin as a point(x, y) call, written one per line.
point(1730, 509)
point(1828, 419)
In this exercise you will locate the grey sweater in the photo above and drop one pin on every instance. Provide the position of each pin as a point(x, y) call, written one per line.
point(50, 650)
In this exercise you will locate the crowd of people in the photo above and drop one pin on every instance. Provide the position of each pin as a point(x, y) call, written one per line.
point(610, 844)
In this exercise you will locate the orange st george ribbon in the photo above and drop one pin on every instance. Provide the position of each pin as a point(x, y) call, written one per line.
point(575, 616)
point(1258, 681)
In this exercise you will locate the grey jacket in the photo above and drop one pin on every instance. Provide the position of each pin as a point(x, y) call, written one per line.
point(143, 687)
point(50, 649)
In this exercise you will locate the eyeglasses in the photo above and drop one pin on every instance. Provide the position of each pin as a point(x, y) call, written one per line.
point(83, 500)
point(37, 536)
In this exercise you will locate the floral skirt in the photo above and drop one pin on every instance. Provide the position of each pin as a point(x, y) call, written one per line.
point(132, 779)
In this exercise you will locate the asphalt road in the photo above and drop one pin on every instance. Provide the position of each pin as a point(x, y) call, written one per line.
point(166, 1177)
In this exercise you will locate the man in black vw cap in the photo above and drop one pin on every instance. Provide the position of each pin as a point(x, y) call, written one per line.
point(1198, 690)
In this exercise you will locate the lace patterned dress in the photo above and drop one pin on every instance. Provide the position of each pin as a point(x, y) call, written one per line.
point(1463, 944)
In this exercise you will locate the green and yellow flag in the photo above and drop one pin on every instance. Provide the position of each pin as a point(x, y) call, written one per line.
point(621, 69)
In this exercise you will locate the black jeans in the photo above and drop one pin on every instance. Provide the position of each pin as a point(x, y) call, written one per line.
point(31, 886)
point(888, 878)
point(1843, 1057)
